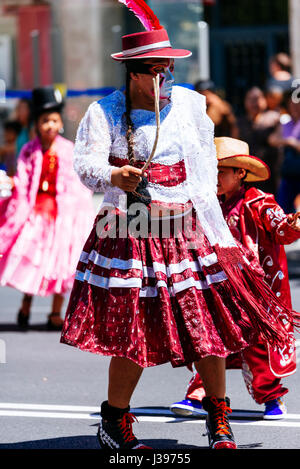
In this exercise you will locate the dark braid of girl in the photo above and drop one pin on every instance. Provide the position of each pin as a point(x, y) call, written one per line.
point(130, 128)
point(141, 195)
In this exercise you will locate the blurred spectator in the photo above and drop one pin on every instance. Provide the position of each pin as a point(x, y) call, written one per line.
point(255, 128)
point(274, 98)
point(24, 117)
point(218, 110)
point(280, 71)
point(8, 160)
point(297, 203)
point(287, 137)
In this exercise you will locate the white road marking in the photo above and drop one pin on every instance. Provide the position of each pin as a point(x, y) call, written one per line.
point(48, 415)
point(51, 407)
point(145, 419)
point(92, 413)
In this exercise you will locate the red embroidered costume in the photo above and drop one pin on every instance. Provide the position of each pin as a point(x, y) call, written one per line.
point(156, 299)
point(259, 223)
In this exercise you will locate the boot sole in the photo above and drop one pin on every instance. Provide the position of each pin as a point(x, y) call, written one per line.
point(224, 444)
point(185, 411)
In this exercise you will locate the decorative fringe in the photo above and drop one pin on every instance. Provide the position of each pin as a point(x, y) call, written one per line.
point(260, 302)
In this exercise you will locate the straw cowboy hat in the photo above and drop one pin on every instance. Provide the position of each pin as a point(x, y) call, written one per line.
point(233, 153)
point(149, 44)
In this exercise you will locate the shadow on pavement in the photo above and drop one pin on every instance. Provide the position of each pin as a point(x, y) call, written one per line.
point(70, 442)
point(155, 411)
point(88, 442)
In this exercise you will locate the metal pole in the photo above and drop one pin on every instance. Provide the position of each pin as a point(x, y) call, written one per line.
point(57, 56)
point(203, 51)
point(294, 34)
point(35, 42)
point(2, 91)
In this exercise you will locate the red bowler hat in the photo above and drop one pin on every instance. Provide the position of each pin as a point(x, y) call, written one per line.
point(148, 45)
point(152, 43)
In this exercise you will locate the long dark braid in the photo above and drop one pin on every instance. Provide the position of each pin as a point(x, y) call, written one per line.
point(130, 126)
point(141, 194)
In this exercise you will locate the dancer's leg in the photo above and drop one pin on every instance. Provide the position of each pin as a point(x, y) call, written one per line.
point(26, 304)
point(212, 372)
point(124, 375)
point(24, 311)
point(115, 428)
point(57, 303)
point(55, 320)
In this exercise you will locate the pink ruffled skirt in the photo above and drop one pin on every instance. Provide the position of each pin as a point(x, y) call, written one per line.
point(37, 264)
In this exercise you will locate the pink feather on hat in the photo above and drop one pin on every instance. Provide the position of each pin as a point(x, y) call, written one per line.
point(144, 13)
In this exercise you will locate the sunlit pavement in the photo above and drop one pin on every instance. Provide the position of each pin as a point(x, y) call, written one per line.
point(50, 393)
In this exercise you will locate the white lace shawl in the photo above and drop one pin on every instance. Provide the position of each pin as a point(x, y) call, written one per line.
point(186, 134)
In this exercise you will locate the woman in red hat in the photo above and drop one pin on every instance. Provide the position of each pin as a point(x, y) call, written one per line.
point(179, 295)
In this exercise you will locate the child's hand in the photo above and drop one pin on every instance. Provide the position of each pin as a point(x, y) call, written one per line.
point(6, 185)
point(297, 203)
point(294, 220)
point(12, 182)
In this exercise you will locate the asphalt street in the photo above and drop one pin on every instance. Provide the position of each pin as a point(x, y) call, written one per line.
point(50, 393)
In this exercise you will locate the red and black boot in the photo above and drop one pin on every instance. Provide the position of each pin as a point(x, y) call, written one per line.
point(219, 432)
point(115, 429)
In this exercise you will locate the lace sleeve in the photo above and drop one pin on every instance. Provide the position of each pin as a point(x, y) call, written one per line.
point(92, 148)
point(202, 172)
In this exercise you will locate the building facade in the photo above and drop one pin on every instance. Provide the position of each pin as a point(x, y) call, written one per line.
point(243, 36)
point(69, 42)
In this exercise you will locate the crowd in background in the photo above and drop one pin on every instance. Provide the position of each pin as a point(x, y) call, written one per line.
point(17, 131)
point(270, 124)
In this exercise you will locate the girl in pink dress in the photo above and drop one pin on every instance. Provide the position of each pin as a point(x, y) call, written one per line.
point(44, 224)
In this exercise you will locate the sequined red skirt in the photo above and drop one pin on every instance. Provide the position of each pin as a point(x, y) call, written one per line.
point(154, 299)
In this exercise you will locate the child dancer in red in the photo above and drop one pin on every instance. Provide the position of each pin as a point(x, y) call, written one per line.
point(259, 223)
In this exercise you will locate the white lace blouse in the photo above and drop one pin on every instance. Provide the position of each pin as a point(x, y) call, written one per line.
point(186, 134)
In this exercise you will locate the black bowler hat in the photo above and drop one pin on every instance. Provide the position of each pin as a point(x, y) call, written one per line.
point(46, 99)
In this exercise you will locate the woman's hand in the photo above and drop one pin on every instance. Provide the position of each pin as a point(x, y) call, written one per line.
point(126, 178)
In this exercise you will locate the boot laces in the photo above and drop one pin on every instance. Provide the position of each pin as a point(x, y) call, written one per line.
point(220, 413)
point(126, 426)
